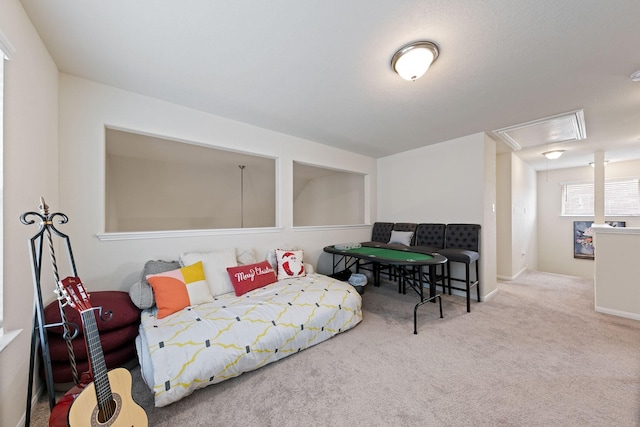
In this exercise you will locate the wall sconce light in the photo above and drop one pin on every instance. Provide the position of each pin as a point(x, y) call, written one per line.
point(593, 164)
point(552, 155)
point(414, 59)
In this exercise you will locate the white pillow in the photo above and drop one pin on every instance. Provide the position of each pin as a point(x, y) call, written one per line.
point(402, 237)
point(290, 263)
point(246, 256)
point(215, 268)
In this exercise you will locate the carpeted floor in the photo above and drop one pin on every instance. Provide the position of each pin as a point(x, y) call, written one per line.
point(537, 354)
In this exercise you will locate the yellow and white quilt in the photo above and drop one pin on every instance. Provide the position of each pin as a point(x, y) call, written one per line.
point(211, 342)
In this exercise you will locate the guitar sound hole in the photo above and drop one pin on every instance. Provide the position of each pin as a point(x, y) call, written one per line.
point(108, 413)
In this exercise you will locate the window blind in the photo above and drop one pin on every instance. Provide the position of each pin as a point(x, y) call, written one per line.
point(621, 198)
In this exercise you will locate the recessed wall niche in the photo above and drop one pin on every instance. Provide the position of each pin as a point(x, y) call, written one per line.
point(324, 196)
point(158, 184)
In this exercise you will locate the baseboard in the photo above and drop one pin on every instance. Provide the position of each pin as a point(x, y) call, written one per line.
point(510, 278)
point(34, 401)
point(626, 314)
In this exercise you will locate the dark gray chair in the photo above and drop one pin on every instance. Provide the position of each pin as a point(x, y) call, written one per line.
point(462, 245)
point(381, 232)
point(380, 235)
point(429, 239)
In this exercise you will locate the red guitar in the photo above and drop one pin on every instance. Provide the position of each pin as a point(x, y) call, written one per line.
point(107, 400)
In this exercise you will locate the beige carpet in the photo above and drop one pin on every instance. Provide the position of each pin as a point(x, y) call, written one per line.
point(536, 354)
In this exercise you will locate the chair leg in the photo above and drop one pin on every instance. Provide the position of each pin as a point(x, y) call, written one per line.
point(468, 281)
point(477, 281)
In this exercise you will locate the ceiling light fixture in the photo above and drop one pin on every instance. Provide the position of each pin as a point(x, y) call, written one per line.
point(414, 59)
point(552, 155)
point(635, 76)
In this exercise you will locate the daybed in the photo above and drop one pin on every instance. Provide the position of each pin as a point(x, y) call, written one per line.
point(209, 342)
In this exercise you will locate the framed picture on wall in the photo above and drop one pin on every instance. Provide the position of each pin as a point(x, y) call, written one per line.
point(583, 238)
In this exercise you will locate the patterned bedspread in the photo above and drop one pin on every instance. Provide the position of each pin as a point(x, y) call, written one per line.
point(212, 342)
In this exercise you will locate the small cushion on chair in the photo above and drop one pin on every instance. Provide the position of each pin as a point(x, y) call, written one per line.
point(460, 255)
point(402, 237)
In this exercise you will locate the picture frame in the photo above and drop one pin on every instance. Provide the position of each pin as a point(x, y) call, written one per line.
point(583, 238)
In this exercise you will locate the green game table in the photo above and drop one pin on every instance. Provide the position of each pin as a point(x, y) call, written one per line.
point(410, 265)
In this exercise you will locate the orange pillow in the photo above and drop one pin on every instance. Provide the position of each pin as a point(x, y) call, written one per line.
point(180, 288)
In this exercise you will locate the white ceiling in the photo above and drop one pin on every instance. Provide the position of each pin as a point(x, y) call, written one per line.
point(321, 70)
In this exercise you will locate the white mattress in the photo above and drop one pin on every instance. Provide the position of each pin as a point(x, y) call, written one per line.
point(212, 342)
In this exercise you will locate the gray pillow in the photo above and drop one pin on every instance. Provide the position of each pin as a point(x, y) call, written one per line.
point(141, 293)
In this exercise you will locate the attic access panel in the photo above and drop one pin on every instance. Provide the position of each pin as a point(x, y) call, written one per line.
point(549, 130)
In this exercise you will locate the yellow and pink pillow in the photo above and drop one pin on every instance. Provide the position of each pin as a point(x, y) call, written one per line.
point(180, 288)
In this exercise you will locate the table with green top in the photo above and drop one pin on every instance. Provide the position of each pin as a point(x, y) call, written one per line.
point(410, 266)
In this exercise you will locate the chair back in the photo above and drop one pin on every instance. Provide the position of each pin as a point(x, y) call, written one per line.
point(463, 236)
point(431, 235)
point(381, 232)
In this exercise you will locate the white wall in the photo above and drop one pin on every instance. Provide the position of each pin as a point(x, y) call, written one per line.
point(450, 182)
point(555, 232)
point(617, 288)
point(30, 171)
point(516, 214)
point(86, 107)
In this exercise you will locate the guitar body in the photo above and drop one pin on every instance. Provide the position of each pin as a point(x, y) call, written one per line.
point(84, 411)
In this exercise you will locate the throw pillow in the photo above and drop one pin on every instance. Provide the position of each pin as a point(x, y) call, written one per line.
point(177, 289)
point(246, 256)
point(290, 263)
point(402, 237)
point(141, 293)
point(215, 268)
point(246, 278)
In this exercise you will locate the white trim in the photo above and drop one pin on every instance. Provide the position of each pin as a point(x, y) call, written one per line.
point(489, 296)
point(616, 230)
point(330, 227)
point(143, 235)
point(514, 277)
point(34, 402)
point(6, 47)
point(628, 315)
point(7, 337)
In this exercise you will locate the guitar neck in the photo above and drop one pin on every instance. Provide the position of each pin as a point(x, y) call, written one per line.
point(96, 357)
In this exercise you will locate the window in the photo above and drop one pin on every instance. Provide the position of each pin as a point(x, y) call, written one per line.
point(323, 196)
point(621, 198)
point(157, 184)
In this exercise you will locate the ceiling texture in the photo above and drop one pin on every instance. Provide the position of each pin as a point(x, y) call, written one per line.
point(321, 70)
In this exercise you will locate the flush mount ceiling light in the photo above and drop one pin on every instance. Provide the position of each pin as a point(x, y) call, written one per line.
point(635, 76)
point(414, 59)
point(552, 155)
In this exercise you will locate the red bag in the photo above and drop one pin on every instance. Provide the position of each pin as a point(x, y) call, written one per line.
point(60, 411)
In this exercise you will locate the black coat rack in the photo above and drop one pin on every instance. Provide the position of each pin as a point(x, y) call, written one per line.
point(46, 228)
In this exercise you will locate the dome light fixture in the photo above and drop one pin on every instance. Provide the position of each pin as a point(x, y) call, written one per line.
point(552, 155)
point(414, 59)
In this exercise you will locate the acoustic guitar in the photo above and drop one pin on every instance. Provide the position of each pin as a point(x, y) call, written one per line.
point(107, 400)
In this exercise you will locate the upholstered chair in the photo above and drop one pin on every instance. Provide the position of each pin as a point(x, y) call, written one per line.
point(429, 239)
point(462, 245)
